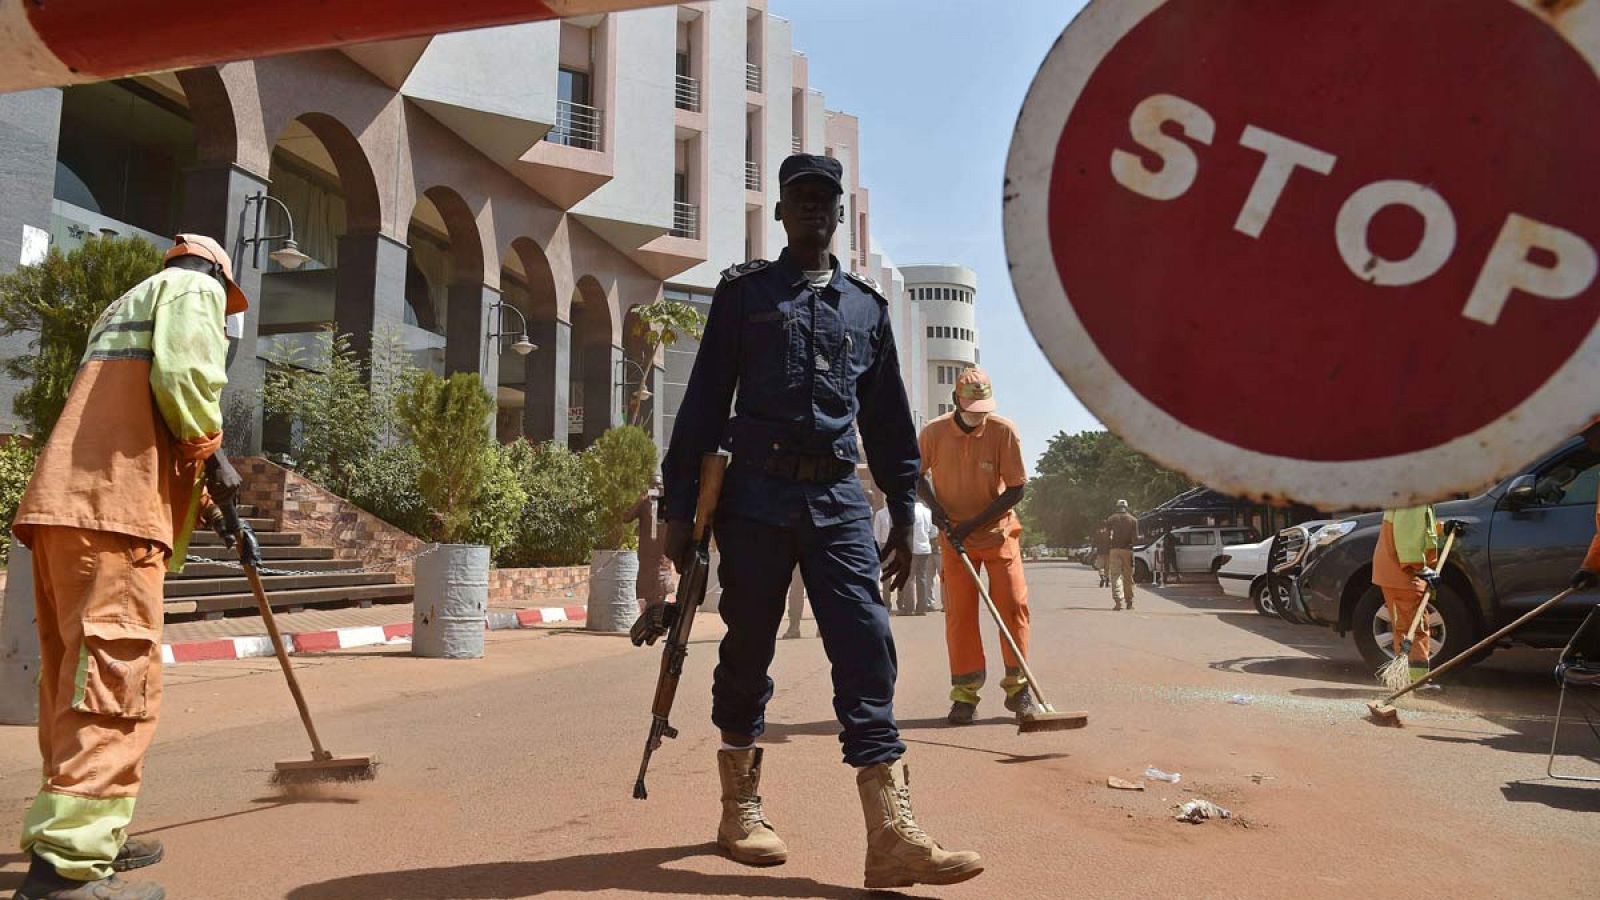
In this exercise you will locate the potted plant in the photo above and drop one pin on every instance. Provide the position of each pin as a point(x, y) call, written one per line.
point(447, 420)
point(618, 469)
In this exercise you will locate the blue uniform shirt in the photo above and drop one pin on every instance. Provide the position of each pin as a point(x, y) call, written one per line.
point(807, 365)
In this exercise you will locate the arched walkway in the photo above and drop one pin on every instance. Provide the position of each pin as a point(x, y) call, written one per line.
point(596, 359)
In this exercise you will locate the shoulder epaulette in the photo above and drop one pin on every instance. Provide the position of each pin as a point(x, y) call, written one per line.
point(745, 268)
point(867, 283)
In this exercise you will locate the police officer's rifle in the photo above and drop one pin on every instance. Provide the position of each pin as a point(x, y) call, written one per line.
point(676, 619)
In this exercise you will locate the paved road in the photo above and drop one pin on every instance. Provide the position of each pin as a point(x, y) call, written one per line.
point(510, 777)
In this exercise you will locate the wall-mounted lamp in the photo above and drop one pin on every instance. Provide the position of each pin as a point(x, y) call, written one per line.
point(289, 255)
point(521, 346)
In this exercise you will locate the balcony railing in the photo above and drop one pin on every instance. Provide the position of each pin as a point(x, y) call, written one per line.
point(795, 144)
point(577, 125)
point(688, 93)
point(685, 220)
point(752, 175)
point(752, 77)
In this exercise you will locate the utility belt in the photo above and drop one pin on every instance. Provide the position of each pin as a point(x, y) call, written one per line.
point(770, 449)
point(808, 468)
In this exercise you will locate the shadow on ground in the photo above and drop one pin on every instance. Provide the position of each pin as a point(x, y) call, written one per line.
point(645, 871)
point(10, 881)
point(1570, 796)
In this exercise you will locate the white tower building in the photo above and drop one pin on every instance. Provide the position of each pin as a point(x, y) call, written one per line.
point(948, 298)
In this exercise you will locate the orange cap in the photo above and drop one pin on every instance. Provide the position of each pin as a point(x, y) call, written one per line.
point(974, 393)
point(206, 248)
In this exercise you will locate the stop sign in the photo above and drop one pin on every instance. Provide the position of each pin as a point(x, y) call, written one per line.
point(1335, 251)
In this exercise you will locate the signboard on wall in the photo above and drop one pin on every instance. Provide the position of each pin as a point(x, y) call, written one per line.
point(574, 420)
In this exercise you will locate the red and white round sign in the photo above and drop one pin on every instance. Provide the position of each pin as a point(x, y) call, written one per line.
point(1342, 252)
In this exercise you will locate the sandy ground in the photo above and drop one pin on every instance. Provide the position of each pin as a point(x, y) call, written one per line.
point(511, 776)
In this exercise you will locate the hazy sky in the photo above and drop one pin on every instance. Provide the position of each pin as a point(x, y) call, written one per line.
point(937, 85)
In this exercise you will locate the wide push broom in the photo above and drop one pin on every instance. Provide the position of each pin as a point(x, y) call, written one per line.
point(1046, 718)
point(1396, 673)
point(323, 766)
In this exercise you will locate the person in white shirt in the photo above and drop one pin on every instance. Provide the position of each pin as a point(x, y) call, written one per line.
point(916, 598)
point(924, 563)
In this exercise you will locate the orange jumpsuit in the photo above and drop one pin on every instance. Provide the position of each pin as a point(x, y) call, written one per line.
point(113, 498)
point(1407, 542)
point(969, 471)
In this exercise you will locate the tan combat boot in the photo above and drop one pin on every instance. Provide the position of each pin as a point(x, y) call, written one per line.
point(899, 852)
point(745, 832)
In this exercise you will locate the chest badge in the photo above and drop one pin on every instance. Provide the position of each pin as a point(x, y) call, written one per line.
point(986, 465)
point(822, 363)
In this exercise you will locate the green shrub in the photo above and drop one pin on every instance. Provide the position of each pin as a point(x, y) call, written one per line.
point(385, 484)
point(447, 419)
point(16, 469)
point(59, 300)
point(619, 465)
point(341, 422)
point(555, 526)
point(500, 501)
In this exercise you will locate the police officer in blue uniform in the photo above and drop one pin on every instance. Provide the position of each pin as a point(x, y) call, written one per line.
point(807, 350)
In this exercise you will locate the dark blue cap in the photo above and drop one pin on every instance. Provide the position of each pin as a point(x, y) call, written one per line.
point(807, 165)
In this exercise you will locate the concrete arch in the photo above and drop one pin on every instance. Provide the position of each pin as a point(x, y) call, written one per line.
point(211, 109)
point(357, 182)
point(543, 303)
point(596, 359)
point(466, 242)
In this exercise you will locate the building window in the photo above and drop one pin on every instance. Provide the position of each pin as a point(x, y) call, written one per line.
point(930, 331)
point(577, 121)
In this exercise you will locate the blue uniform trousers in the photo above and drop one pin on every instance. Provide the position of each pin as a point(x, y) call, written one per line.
point(839, 564)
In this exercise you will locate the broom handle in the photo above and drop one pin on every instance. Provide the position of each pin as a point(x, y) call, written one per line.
point(283, 660)
point(999, 622)
point(1422, 611)
point(1467, 654)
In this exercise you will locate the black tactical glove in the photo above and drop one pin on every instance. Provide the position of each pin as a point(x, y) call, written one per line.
point(896, 558)
point(222, 481)
point(655, 621)
point(249, 546)
point(1583, 580)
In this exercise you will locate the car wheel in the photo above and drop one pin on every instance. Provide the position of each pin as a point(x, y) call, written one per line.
point(1450, 627)
point(1261, 597)
point(1141, 572)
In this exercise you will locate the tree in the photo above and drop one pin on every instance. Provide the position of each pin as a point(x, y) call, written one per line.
point(660, 324)
point(448, 422)
point(59, 300)
point(618, 469)
point(1080, 477)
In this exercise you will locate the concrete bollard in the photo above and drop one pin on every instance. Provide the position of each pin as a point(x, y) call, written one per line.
point(19, 643)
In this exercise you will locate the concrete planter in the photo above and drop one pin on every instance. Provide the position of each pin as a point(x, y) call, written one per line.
point(19, 643)
point(613, 590)
point(451, 603)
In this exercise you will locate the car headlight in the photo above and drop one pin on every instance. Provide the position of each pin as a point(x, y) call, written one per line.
point(1330, 533)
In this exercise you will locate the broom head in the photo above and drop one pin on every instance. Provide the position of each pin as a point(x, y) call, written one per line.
point(331, 769)
point(1047, 719)
point(1396, 673)
point(1384, 714)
